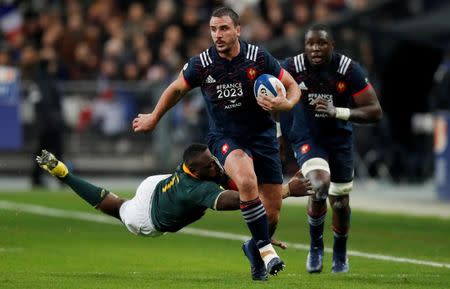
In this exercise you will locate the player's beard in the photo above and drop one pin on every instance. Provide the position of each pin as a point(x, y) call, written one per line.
point(226, 47)
point(223, 49)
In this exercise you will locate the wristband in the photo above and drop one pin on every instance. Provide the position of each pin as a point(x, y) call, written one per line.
point(342, 113)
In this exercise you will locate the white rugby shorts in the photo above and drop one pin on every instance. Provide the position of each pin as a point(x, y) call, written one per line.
point(135, 213)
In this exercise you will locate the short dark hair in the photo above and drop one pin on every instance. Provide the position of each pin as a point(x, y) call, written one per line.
point(321, 27)
point(192, 152)
point(226, 11)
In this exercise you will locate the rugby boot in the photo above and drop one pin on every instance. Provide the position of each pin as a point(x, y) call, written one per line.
point(258, 269)
point(314, 261)
point(50, 163)
point(340, 263)
point(275, 265)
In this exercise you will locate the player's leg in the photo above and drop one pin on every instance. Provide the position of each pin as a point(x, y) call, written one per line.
point(267, 163)
point(311, 158)
point(341, 164)
point(341, 225)
point(271, 197)
point(268, 169)
point(97, 197)
point(316, 211)
point(239, 166)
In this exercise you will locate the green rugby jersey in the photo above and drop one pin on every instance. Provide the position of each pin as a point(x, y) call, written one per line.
point(182, 199)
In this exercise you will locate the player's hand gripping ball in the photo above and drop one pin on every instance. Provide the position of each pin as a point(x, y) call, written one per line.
point(266, 85)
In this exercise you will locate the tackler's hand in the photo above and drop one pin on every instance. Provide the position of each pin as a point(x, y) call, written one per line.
point(299, 186)
point(279, 243)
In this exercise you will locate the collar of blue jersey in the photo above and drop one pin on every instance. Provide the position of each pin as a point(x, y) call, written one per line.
point(186, 170)
point(242, 50)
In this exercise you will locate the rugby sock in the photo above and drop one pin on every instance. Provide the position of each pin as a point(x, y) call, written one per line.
point(88, 192)
point(341, 226)
point(340, 243)
point(255, 216)
point(316, 229)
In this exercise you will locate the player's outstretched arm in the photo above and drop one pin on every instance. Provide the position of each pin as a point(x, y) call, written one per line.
point(228, 200)
point(171, 95)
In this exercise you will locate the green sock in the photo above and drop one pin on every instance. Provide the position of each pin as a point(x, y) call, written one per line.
point(88, 192)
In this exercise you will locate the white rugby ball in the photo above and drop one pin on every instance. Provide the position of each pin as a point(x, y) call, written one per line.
point(266, 84)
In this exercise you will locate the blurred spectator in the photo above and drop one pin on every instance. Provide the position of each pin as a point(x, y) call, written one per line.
point(11, 23)
point(108, 114)
point(5, 59)
point(301, 12)
point(85, 63)
point(134, 24)
point(440, 94)
point(144, 61)
point(49, 122)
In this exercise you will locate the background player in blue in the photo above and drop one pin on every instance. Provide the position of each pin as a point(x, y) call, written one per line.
point(336, 92)
point(242, 134)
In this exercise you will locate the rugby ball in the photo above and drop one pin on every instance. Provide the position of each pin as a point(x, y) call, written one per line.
point(266, 84)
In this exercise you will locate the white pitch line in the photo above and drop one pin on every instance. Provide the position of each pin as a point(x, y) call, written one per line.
point(10, 250)
point(58, 213)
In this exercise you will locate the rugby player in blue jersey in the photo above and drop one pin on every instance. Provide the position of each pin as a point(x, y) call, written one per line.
point(242, 134)
point(336, 92)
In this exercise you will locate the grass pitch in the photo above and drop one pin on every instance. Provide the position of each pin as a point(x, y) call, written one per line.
point(63, 251)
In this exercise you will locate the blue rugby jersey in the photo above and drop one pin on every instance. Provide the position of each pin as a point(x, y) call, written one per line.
point(340, 83)
point(227, 87)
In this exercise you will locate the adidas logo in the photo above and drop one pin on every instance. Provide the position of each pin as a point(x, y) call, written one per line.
point(302, 86)
point(210, 79)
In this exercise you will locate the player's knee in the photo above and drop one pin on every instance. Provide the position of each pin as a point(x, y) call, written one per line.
point(317, 171)
point(111, 205)
point(320, 185)
point(341, 204)
point(321, 188)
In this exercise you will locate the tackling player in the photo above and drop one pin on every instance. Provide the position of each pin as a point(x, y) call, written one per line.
point(165, 203)
point(242, 134)
point(336, 93)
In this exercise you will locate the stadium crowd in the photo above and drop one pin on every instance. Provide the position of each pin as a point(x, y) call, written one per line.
point(143, 40)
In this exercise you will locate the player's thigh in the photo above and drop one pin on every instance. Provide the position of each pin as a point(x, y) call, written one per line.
point(266, 158)
point(313, 162)
point(135, 213)
point(221, 147)
point(310, 156)
point(342, 171)
point(235, 157)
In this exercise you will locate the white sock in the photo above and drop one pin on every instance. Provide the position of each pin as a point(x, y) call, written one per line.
point(267, 253)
